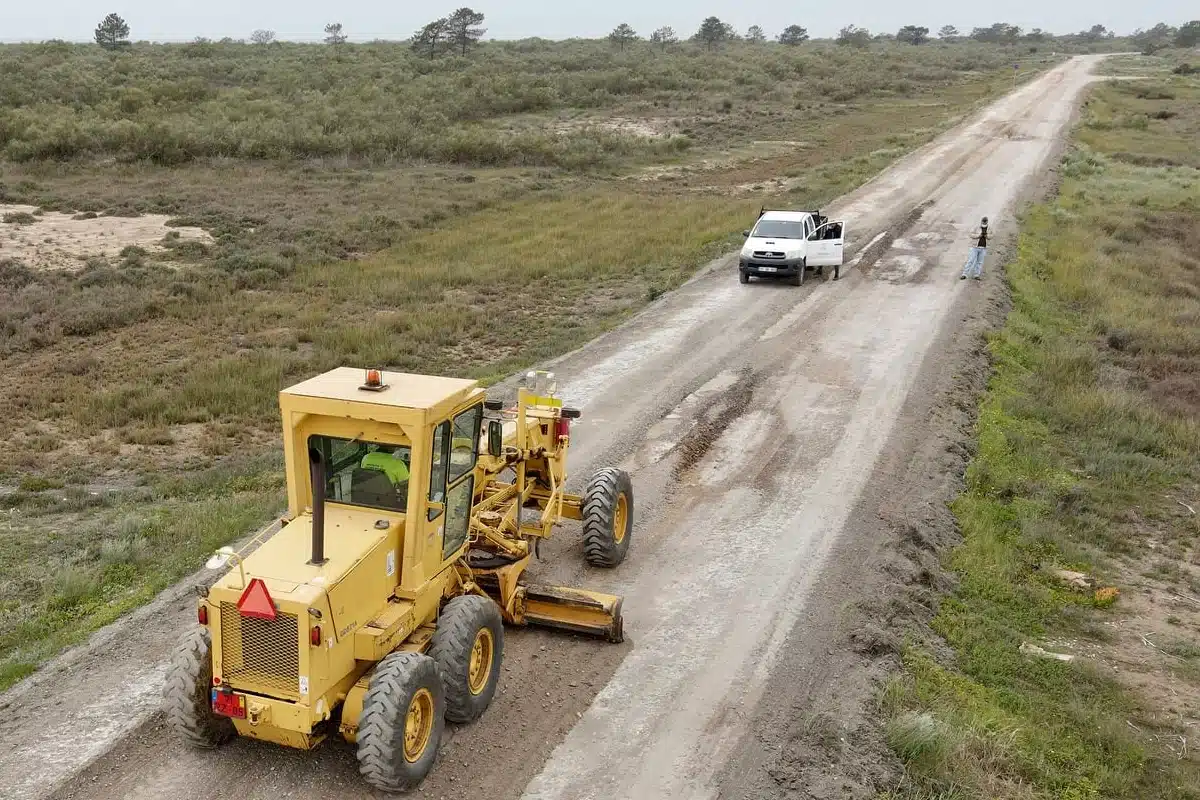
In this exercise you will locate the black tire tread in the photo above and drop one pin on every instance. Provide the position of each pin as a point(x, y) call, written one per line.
point(600, 547)
point(380, 736)
point(457, 626)
point(187, 693)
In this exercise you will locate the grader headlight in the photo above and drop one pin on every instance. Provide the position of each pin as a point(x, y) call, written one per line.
point(542, 384)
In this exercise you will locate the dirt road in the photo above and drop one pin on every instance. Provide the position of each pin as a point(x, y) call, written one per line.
point(757, 422)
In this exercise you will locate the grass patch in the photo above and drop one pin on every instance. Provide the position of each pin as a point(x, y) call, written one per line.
point(61, 584)
point(1091, 413)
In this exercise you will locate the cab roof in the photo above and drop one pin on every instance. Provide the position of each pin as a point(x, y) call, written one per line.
point(418, 392)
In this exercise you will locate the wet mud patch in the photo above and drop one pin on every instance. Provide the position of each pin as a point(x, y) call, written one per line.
point(714, 420)
point(871, 255)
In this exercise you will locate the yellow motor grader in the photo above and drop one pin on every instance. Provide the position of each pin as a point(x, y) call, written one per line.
point(414, 507)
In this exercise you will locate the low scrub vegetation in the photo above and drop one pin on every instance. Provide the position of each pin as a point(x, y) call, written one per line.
point(173, 105)
point(1088, 460)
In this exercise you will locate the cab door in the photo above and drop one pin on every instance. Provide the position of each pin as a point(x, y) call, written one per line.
point(455, 450)
point(826, 245)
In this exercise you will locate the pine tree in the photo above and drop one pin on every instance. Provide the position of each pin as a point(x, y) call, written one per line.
point(112, 33)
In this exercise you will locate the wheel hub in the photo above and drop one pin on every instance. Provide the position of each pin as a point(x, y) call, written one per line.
point(418, 724)
point(620, 519)
point(480, 668)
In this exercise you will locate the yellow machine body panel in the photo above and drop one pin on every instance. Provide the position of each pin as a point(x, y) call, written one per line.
point(350, 535)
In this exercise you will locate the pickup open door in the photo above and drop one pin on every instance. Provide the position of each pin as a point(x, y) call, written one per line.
point(826, 243)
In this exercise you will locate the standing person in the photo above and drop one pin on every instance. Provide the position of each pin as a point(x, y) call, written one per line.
point(974, 265)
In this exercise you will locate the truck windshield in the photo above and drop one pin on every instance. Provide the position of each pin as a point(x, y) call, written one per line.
point(778, 229)
point(365, 473)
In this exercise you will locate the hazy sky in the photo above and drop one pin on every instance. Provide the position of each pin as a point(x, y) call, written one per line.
point(180, 20)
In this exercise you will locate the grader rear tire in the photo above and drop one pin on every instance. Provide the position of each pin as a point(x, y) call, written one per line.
point(607, 517)
point(187, 693)
point(468, 646)
point(401, 723)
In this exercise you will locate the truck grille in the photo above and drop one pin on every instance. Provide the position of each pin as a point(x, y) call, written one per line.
point(260, 655)
point(767, 254)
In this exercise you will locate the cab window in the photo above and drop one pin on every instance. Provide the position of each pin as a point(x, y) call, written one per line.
point(458, 516)
point(464, 444)
point(362, 473)
point(437, 474)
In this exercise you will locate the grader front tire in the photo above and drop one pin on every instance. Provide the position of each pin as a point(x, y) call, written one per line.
point(401, 723)
point(468, 646)
point(607, 518)
point(187, 693)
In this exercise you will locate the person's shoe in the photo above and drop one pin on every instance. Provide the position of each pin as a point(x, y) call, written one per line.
point(978, 277)
point(962, 277)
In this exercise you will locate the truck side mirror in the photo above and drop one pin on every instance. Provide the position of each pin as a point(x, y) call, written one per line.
point(745, 234)
point(495, 445)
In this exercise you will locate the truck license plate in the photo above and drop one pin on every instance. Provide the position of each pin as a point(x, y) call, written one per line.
point(766, 269)
point(228, 704)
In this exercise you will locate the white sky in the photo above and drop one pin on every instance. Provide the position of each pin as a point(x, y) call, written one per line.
point(182, 20)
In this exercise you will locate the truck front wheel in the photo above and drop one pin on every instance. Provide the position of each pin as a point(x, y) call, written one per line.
point(798, 278)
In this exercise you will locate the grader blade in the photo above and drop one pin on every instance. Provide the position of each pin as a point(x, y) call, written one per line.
point(575, 610)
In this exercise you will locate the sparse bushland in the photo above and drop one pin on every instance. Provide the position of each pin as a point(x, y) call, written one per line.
point(1088, 459)
point(382, 102)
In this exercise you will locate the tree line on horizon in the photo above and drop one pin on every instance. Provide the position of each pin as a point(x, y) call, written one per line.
point(460, 31)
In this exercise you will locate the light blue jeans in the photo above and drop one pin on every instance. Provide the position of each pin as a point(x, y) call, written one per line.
point(974, 265)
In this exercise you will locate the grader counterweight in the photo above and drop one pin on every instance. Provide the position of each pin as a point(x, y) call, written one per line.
point(414, 508)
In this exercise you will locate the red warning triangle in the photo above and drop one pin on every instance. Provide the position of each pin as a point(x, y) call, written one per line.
point(256, 601)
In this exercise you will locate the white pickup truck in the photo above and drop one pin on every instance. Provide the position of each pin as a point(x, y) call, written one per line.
point(786, 244)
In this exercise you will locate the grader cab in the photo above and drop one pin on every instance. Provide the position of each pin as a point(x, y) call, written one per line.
point(376, 611)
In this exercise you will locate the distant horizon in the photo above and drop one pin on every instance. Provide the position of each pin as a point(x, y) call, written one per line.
point(303, 21)
point(383, 37)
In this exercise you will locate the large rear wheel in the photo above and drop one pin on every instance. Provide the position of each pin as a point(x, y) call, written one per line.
point(401, 723)
point(187, 693)
point(607, 517)
point(468, 646)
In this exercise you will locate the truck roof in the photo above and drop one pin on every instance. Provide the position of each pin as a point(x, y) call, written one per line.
point(786, 215)
point(419, 392)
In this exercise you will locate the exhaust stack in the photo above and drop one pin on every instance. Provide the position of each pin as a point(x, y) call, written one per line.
point(316, 466)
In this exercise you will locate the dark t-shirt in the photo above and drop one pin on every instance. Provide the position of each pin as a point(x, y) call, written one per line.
point(983, 236)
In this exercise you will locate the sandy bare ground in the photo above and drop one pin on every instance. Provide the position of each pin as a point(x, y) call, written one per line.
point(766, 426)
point(53, 240)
